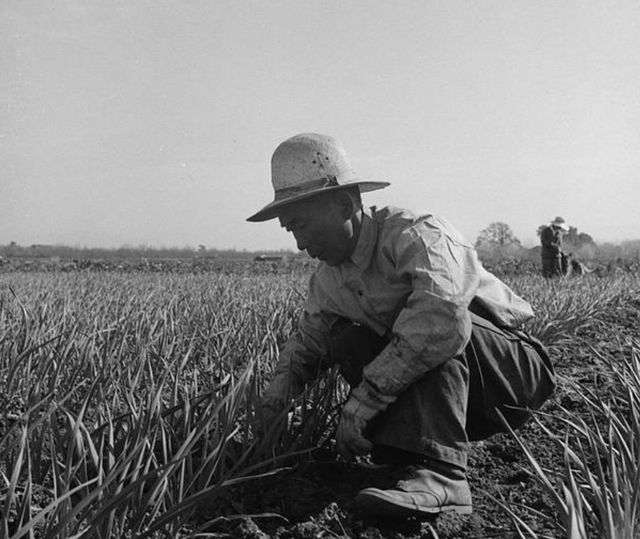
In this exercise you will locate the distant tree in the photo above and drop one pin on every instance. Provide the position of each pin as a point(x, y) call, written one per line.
point(576, 239)
point(631, 249)
point(497, 241)
point(609, 251)
point(498, 234)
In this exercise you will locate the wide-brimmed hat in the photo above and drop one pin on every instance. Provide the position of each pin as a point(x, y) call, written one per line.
point(560, 223)
point(307, 165)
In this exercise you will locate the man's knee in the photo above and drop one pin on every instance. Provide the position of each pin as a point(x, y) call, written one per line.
point(511, 374)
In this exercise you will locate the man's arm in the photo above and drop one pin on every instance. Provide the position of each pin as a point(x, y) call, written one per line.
point(296, 367)
point(304, 355)
point(434, 324)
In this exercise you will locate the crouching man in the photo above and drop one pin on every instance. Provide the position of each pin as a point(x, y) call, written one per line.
point(430, 342)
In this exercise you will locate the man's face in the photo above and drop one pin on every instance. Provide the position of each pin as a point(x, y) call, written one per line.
point(321, 228)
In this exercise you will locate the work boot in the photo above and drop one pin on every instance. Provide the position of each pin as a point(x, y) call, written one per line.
point(425, 492)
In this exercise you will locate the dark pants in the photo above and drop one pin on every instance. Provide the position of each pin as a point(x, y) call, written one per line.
point(552, 266)
point(456, 402)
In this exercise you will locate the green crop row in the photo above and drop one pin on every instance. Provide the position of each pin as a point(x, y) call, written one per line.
point(127, 402)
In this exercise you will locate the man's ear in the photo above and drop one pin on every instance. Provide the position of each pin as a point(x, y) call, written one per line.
point(345, 204)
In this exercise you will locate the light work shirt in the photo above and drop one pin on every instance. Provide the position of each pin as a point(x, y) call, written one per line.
point(411, 277)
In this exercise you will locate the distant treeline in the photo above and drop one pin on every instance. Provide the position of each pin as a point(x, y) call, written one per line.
point(137, 253)
point(627, 250)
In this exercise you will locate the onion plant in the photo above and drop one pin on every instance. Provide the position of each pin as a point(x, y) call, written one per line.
point(125, 398)
point(128, 401)
point(597, 491)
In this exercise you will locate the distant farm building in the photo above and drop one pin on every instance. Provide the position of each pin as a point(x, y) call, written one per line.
point(269, 258)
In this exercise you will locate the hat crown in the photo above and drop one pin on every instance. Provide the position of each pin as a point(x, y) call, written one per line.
point(559, 222)
point(307, 162)
point(306, 165)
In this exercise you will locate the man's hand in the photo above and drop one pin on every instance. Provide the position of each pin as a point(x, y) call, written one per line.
point(353, 420)
point(270, 416)
point(363, 405)
point(269, 426)
point(267, 417)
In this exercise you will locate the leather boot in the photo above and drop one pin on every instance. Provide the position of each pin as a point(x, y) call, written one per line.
point(426, 491)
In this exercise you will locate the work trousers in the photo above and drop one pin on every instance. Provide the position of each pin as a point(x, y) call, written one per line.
point(552, 266)
point(458, 401)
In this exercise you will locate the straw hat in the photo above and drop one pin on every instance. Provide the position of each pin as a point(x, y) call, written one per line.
point(560, 223)
point(306, 165)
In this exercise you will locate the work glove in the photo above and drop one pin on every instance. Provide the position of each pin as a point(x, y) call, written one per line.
point(363, 405)
point(354, 418)
point(272, 406)
point(269, 419)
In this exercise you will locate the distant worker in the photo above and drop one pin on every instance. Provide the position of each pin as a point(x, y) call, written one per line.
point(551, 240)
point(575, 267)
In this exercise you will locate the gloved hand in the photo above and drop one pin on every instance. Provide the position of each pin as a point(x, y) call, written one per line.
point(272, 405)
point(353, 420)
point(266, 418)
point(363, 405)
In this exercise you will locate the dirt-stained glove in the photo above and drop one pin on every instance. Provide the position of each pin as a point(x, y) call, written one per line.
point(266, 418)
point(354, 418)
point(272, 405)
point(363, 405)
point(278, 390)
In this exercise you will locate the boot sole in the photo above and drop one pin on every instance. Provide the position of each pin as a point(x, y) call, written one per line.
point(380, 504)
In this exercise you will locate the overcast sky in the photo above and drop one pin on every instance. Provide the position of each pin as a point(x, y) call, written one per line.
point(153, 122)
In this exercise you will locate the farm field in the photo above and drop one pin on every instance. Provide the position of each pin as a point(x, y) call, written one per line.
point(128, 400)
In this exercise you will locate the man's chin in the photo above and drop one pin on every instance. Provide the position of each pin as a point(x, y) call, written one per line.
point(327, 259)
point(331, 262)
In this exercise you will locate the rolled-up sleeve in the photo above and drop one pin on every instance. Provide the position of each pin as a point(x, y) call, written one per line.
point(434, 324)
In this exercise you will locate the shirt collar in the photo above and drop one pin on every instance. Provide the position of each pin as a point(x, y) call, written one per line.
point(361, 255)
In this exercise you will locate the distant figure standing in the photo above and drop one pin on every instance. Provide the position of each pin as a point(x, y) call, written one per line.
point(551, 240)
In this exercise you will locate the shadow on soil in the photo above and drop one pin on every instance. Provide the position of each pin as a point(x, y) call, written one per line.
point(316, 499)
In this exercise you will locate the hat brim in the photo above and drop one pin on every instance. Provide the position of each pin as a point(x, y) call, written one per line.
point(272, 210)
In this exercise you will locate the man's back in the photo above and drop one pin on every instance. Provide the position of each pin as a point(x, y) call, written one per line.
point(399, 251)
